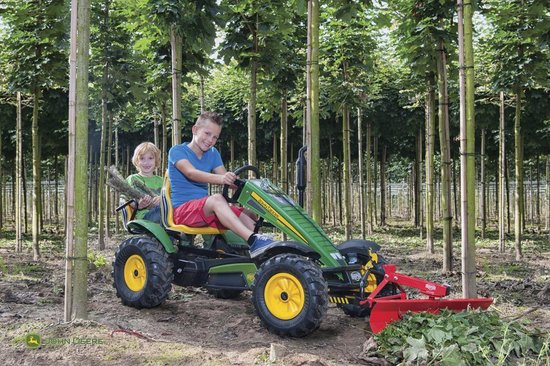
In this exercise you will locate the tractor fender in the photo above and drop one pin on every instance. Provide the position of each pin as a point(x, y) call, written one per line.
point(154, 230)
point(287, 246)
point(358, 246)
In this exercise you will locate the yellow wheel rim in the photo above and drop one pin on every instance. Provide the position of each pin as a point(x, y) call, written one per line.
point(284, 296)
point(135, 273)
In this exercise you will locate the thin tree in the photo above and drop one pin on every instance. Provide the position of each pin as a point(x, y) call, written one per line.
point(502, 178)
point(346, 167)
point(253, 92)
point(548, 195)
point(467, 147)
point(36, 172)
point(360, 168)
point(445, 146)
point(101, 186)
point(518, 148)
point(312, 111)
point(284, 142)
point(19, 177)
point(176, 47)
point(1, 183)
point(69, 183)
point(430, 142)
point(483, 184)
point(368, 163)
point(79, 158)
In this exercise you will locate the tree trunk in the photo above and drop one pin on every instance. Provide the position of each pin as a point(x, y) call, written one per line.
point(346, 170)
point(101, 186)
point(518, 212)
point(19, 177)
point(117, 195)
point(430, 142)
point(252, 101)
point(56, 180)
point(25, 204)
point(445, 146)
point(80, 295)
point(482, 198)
point(232, 153)
point(37, 178)
point(537, 197)
point(284, 142)
point(361, 181)
point(508, 215)
point(547, 191)
point(548, 195)
point(383, 185)
point(2, 195)
point(369, 178)
point(312, 115)
point(375, 178)
point(417, 181)
point(467, 147)
point(108, 162)
point(176, 45)
point(69, 169)
point(502, 178)
point(275, 167)
point(332, 180)
point(164, 140)
point(201, 96)
point(455, 196)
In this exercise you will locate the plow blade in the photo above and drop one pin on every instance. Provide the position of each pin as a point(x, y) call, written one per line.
point(389, 310)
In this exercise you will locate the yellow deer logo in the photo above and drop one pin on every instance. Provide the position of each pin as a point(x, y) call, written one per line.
point(33, 341)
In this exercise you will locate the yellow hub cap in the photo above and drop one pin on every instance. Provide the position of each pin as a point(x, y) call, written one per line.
point(284, 296)
point(135, 273)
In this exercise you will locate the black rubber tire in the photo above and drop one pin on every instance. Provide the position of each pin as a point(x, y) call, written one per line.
point(225, 293)
point(355, 311)
point(158, 269)
point(315, 290)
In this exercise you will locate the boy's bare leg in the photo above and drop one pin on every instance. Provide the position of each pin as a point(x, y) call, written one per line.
point(218, 206)
point(247, 221)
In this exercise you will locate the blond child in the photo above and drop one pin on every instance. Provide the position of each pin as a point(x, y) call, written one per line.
point(146, 159)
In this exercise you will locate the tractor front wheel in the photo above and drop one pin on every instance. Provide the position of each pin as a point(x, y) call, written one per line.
point(142, 272)
point(290, 295)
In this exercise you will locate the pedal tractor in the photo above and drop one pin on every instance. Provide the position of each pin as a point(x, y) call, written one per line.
point(292, 281)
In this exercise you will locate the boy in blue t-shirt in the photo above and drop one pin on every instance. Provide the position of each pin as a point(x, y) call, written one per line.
point(194, 165)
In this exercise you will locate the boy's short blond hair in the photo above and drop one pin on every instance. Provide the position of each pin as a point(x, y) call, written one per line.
point(144, 148)
point(209, 116)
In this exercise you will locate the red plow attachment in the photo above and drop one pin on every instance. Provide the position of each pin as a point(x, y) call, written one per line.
point(387, 309)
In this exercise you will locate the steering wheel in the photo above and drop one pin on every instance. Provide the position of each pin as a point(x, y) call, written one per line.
point(239, 182)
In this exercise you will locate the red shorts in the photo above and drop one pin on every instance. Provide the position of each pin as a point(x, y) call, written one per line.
point(191, 213)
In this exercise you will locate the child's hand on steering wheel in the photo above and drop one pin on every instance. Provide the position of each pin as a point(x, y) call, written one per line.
point(145, 202)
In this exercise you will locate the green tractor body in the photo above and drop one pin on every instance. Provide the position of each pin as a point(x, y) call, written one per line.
point(292, 281)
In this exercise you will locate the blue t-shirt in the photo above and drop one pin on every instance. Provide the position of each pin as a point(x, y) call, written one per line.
point(182, 188)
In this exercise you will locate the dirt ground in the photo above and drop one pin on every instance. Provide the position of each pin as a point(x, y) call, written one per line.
point(194, 328)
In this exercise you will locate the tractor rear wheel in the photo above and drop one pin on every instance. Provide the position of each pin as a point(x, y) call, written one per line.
point(142, 272)
point(290, 295)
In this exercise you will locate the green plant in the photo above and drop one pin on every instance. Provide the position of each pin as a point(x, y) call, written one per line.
point(97, 259)
point(466, 338)
point(3, 267)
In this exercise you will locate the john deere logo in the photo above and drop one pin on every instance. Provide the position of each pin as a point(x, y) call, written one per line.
point(33, 341)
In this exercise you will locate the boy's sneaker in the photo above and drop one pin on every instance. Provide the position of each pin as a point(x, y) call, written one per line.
point(260, 242)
